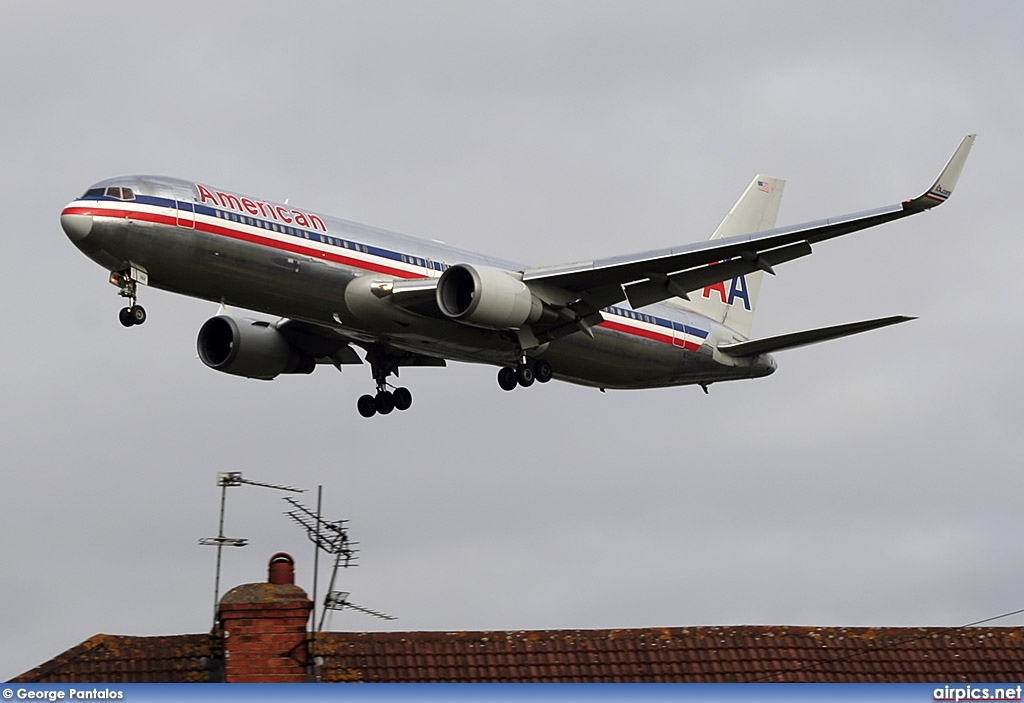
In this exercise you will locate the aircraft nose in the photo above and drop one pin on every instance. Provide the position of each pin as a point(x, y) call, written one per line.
point(75, 225)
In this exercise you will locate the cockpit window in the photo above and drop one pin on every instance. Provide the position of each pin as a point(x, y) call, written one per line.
point(111, 192)
point(120, 193)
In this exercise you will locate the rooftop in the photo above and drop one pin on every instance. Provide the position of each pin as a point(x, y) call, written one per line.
point(692, 654)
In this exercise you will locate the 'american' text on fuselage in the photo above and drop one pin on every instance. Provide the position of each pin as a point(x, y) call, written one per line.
point(260, 208)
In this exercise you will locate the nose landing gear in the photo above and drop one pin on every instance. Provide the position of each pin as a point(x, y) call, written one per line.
point(133, 314)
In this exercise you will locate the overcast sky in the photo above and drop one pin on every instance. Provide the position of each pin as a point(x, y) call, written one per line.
point(870, 481)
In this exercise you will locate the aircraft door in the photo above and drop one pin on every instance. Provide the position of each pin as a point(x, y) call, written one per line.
point(678, 338)
point(186, 213)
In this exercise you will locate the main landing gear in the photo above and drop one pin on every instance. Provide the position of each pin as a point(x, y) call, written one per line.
point(133, 314)
point(524, 375)
point(385, 401)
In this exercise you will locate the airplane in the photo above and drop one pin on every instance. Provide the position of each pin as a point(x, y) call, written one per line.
point(671, 317)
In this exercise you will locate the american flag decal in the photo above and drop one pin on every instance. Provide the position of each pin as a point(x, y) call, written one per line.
point(938, 193)
point(764, 187)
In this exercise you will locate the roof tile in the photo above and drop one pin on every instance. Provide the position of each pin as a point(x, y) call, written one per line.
point(688, 654)
point(128, 659)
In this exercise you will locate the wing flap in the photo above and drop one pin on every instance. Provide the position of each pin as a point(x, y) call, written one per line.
point(324, 344)
point(801, 339)
point(660, 287)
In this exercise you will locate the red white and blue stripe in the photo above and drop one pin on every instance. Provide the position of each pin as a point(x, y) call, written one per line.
point(324, 245)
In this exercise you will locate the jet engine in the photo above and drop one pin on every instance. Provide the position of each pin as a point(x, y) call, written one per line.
point(487, 297)
point(249, 348)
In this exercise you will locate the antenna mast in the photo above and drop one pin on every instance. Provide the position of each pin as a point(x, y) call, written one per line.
point(224, 480)
point(331, 537)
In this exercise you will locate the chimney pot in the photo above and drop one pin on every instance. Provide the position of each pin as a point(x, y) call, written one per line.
point(281, 569)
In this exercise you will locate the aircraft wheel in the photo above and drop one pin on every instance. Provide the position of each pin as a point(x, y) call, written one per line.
point(524, 375)
point(542, 371)
point(402, 398)
point(507, 379)
point(125, 316)
point(384, 402)
point(366, 405)
point(138, 314)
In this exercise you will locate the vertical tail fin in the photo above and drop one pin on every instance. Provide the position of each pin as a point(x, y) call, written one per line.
point(732, 302)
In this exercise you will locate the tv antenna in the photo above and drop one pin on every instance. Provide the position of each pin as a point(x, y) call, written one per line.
point(224, 480)
point(331, 537)
point(336, 600)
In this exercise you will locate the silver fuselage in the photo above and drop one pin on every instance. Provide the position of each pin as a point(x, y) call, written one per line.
point(217, 245)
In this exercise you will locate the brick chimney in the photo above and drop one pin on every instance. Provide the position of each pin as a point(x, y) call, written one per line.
point(264, 628)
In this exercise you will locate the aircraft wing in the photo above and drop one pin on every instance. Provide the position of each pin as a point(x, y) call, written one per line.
point(657, 275)
point(331, 345)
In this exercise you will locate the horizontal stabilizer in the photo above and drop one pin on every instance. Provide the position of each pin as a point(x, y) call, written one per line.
point(801, 339)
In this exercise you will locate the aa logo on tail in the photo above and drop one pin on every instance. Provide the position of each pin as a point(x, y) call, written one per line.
point(737, 291)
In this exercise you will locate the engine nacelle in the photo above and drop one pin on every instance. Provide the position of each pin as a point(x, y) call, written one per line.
point(487, 297)
point(249, 348)
point(369, 299)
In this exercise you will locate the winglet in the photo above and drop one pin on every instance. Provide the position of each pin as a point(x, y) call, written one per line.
point(944, 184)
